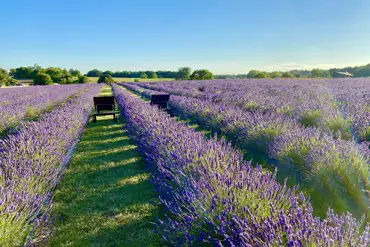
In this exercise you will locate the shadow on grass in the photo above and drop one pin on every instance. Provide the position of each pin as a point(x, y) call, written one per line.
point(106, 197)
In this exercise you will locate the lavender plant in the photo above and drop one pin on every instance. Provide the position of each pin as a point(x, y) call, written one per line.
point(29, 102)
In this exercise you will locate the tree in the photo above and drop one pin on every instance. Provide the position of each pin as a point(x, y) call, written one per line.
point(154, 75)
point(68, 79)
point(183, 73)
point(252, 73)
point(94, 73)
point(75, 72)
point(201, 74)
point(58, 75)
point(108, 72)
point(105, 79)
point(42, 79)
point(275, 74)
point(83, 79)
point(143, 75)
point(287, 75)
point(5, 79)
point(23, 72)
point(319, 73)
point(261, 75)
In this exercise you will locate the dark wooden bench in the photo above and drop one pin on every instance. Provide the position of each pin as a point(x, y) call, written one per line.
point(104, 106)
point(160, 100)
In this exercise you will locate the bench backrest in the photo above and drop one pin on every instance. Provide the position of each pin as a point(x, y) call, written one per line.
point(160, 99)
point(105, 103)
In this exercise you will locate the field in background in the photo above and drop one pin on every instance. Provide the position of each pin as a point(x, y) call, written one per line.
point(123, 79)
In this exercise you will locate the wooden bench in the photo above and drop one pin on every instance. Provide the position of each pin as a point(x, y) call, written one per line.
point(104, 106)
point(160, 100)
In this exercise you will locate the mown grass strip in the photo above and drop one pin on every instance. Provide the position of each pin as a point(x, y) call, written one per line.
point(106, 197)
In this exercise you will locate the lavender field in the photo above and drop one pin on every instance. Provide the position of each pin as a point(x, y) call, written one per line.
point(34, 157)
point(315, 132)
point(286, 163)
point(217, 199)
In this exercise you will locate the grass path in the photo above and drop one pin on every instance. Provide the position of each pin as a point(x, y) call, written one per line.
point(106, 197)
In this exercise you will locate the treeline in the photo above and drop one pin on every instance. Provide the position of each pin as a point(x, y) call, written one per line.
point(183, 73)
point(133, 74)
point(358, 71)
point(45, 76)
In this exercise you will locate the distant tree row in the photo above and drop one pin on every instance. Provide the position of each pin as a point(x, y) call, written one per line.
point(45, 76)
point(315, 73)
point(359, 71)
point(183, 73)
point(133, 74)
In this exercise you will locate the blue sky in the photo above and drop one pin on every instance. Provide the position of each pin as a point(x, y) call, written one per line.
point(225, 36)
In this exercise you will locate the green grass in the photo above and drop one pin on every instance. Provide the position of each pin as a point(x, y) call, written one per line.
point(123, 79)
point(106, 197)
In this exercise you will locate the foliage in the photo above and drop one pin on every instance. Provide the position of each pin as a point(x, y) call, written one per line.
point(5, 79)
point(108, 72)
point(201, 74)
point(104, 78)
point(42, 79)
point(126, 74)
point(143, 75)
point(83, 79)
point(287, 75)
point(23, 72)
point(183, 73)
point(94, 73)
point(75, 72)
point(252, 73)
point(261, 75)
point(58, 75)
point(154, 75)
point(275, 74)
point(320, 73)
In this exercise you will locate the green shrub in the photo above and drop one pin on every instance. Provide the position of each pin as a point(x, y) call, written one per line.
point(201, 74)
point(83, 79)
point(311, 118)
point(42, 79)
point(136, 80)
point(251, 106)
point(5, 79)
point(342, 126)
point(105, 78)
point(365, 134)
point(66, 80)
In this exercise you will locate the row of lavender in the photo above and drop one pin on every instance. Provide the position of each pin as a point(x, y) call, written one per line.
point(16, 104)
point(321, 164)
point(216, 199)
point(32, 160)
point(336, 105)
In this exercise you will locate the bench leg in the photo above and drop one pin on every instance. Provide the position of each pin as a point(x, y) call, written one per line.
point(114, 117)
point(94, 119)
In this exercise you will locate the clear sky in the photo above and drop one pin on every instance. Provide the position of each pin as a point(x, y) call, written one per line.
point(225, 36)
